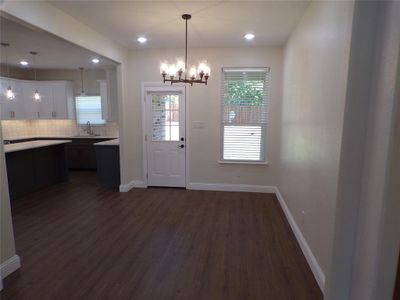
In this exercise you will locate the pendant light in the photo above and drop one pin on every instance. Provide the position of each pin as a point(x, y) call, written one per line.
point(9, 94)
point(36, 94)
point(82, 86)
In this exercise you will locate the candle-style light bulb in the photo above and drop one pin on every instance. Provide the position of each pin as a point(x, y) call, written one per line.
point(204, 69)
point(180, 65)
point(164, 68)
point(207, 70)
point(193, 72)
point(10, 94)
point(36, 96)
point(172, 70)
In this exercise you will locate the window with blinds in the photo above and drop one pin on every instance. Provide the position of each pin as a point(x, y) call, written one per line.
point(245, 93)
point(88, 108)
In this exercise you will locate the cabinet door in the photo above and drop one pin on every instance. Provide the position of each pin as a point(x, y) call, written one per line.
point(74, 156)
point(45, 105)
point(12, 109)
point(3, 98)
point(41, 109)
point(104, 99)
point(32, 107)
point(60, 108)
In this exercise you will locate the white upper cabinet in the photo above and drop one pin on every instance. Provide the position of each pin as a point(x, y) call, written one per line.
point(109, 96)
point(104, 100)
point(63, 101)
point(31, 107)
point(37, 109)
point(45, 104)
point(12, 109)
point(56, 100)
point(112, 95)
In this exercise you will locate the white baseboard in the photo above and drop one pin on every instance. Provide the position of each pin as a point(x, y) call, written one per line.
point(230, 187)
point(312, 261)
point(10, 265)
point(123, 188)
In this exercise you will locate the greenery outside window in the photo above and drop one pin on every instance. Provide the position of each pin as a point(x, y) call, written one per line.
point(245, 94)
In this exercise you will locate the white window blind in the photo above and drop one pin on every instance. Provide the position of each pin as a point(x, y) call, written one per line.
point(88, 108)
point(245, 94)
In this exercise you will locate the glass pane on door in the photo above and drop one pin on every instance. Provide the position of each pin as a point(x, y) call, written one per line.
point(165, 117)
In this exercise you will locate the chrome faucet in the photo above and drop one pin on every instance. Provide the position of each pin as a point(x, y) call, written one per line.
point(89, 129)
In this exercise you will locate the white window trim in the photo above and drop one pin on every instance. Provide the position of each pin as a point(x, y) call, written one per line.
point(243, 162)
point(222, 161)
point(76, 112)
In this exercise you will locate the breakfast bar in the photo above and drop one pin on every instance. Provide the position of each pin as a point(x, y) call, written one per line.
point(34, 165)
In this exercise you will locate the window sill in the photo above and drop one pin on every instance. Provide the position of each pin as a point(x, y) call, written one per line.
point(92, 125)
point(227, 162)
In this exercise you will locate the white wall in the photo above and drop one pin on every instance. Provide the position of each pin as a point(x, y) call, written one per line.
point(7, 245)
point(314, 86)
point(367, 232)
point(204, 104)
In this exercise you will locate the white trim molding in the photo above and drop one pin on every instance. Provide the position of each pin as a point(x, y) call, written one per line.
point(230, 187)
point(123, 188)
point(9, 266)
point(312, 261)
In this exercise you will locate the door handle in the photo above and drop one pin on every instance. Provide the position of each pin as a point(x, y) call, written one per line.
point(181, 146)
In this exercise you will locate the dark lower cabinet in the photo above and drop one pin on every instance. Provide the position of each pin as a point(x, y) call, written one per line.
point(81, 154)
point(33, 169)
point(108, 170)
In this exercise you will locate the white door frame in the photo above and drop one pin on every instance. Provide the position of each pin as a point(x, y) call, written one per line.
point(160, 87)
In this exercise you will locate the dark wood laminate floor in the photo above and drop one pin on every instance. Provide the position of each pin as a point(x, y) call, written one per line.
point(78, 241)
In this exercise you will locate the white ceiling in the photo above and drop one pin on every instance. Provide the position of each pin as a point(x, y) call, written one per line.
point(53, 52)
point(214, 23)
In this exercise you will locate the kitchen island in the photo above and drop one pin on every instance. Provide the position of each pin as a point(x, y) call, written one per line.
point(107, 158)
point(34, 165)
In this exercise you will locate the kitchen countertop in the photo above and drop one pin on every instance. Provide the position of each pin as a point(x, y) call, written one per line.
point(63, 137)
point(114, 142)
point(31, 145)
point(92, 137)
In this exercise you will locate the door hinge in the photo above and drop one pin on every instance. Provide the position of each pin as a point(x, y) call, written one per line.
point(145, 137)
point(147, 175)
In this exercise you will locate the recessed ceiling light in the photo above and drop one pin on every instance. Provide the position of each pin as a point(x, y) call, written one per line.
point(142, 39)
point(95, 60)
point(24, 62)
point(249, 36)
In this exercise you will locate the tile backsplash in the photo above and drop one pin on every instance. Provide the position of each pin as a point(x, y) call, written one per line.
point(30, 128)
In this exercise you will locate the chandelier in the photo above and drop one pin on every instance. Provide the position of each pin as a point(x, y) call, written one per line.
point(176, 73)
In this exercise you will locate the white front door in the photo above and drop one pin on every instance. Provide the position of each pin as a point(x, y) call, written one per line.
point(165, 136)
